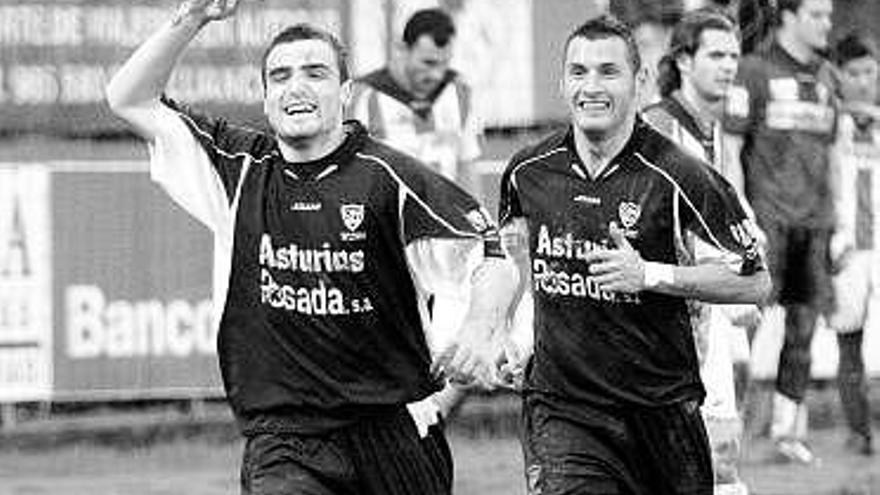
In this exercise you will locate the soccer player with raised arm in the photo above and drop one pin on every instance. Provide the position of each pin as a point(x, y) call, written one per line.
point(327, 245)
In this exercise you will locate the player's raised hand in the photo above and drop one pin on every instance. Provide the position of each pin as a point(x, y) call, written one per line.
point(620, 269)
point(206, 10)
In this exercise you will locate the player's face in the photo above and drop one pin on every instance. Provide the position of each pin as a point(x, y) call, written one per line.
point(303, 99)
point(599, 84)
point(712, 69)
point(425, 63)
point(858, 80)
point(813, 23)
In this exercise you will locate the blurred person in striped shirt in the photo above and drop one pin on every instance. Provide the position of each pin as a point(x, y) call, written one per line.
point(857, 204)
point(693, 80)
point(418, 103)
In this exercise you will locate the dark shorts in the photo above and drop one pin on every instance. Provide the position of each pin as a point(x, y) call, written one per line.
point(383, 456)
point(800, 264)
point(634, 451)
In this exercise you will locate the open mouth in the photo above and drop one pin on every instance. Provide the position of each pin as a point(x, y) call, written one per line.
point(300, 108)
point(593, 105)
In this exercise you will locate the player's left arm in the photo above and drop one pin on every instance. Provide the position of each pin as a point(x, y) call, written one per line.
point(622, 269)
point(710, 209)
point(711, 282)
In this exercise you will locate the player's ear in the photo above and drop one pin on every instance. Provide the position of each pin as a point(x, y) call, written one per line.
point(398, 53)
point(684, 63)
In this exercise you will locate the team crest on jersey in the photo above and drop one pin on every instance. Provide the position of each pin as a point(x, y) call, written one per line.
point(352, 218)
point(629, 213)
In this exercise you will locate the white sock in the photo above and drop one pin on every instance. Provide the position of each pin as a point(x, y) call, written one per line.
point(801, 425)
point(785, 415)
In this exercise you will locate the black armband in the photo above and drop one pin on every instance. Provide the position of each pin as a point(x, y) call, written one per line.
point(492, 247)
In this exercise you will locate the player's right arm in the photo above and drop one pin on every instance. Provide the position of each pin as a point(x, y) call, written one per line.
point(183, 146)
point(134, 91)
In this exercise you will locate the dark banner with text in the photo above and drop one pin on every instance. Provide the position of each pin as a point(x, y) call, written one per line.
point(57, 57)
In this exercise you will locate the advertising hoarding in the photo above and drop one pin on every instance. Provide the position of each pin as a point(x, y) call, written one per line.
point(131, 288)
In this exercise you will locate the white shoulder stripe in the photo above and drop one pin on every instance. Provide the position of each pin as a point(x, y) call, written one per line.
point(405, 187)
point(219, 150)
point(533, 160)
point(687, 200)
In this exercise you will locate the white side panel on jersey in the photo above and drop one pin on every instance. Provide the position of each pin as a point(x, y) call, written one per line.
point(180, 165)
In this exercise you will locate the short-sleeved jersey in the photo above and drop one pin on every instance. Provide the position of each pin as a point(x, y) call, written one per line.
point(786, 112)
point(319, 284)
point(858, 160)
point(603, 347)
point(442, 130)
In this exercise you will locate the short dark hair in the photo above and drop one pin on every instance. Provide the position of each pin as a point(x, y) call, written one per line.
point(852, 46)
point(436, 23)
point(789, 5)
point(608, 26)
point(685, 40)
point(303, 31)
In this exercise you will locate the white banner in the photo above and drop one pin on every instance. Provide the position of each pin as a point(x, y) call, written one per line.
point(25, 284)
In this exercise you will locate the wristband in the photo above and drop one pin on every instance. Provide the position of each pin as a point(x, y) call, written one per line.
point(658, 273)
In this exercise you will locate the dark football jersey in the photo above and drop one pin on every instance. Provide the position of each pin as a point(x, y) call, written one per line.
point(786, 112)
point(604, 347)
point(322, 300)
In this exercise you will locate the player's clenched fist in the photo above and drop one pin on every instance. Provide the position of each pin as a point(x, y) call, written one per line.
point(205, 10)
